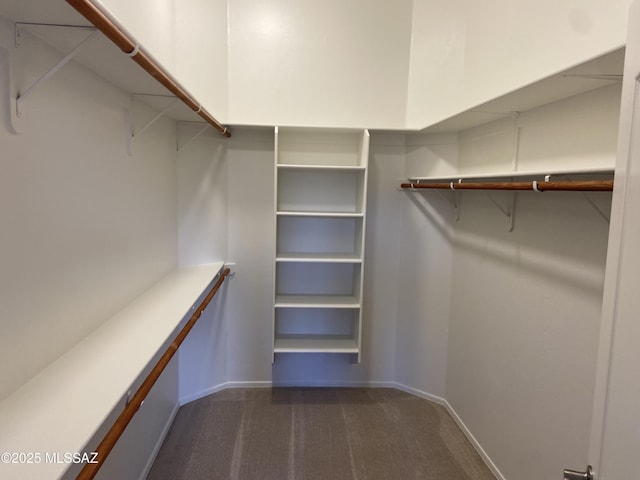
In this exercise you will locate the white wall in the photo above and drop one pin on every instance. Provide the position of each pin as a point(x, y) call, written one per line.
point(424, 289)
point(250, 236)
point(152, 23)
point(318, 63)
point(437, 63)
point(525, 305)
point(280, 62)
point(201, 52)
point(371, 64)
point(464, 52)
point(203, 238)
point(85, 227)
point(202, 169)
point(188, 38)
point(382, 272)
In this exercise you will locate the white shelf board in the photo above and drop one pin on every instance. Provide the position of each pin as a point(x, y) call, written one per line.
point(104, 58)
point(314, 344)
point(297, 213)
point(326, 168)
point(567, 83)
point(317, 301)
point(607, 170)
point(61, 408)
point(319, 257)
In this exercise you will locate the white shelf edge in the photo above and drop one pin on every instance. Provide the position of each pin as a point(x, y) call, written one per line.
point(523, 173)
point(314, 344)
point(318, 258)
point(337, 168)
point(298, 213)
point(334, 129)
point(317, 301)
point(555, 87)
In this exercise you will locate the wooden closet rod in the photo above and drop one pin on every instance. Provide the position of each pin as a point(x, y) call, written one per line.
point(567, 185)
point(113, 33)
point(90, 470)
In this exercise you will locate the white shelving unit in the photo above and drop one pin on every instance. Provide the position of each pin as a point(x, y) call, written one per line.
point(321, 191)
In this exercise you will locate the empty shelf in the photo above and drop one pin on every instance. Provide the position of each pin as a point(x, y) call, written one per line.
point(314, 344)
point(329, 168)
point(319, 257)
point(317, 301)
point(299, 213)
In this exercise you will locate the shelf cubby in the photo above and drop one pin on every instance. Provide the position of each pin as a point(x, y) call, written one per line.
point(314, 278)
point(321, 147)
point(330, 191)
point(318, 238)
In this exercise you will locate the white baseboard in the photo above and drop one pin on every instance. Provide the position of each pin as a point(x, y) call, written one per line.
point(222, 386)
point(467, 433)
point(371, 384)
point(476, 445)
point(268, 384)
point(419, 393)
point(342, 384)
point(159, 442)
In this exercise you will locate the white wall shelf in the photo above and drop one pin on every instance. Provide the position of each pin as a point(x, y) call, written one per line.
point(317, 301)
point(590, 75)
point(554, 128)
point(303, 213)
point(326, 168)
point(97, 373)
point(604, 170)
point(320, 185)
point(317, 344)
point(318, 257)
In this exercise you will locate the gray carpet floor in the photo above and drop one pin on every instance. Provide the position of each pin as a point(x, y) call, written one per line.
point(316, 434)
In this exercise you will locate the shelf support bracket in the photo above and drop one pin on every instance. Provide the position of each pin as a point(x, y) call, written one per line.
point(192, 138)
point(455, 202)
point(21, 97)
point(600, 212)
point(509, 213)
point(133, 135)
point(594, 205)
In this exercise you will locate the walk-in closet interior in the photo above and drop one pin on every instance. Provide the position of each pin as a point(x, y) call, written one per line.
point(428, 198)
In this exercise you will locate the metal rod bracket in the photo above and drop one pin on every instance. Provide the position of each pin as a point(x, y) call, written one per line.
point(231, 266)
point(133, 135)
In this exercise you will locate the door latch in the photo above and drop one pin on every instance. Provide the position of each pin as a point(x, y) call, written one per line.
point(575, 475)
